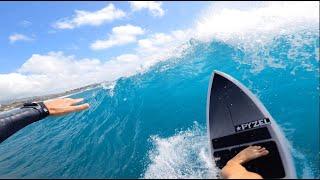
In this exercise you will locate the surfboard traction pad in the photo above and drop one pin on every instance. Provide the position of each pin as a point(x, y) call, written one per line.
point(269, 166)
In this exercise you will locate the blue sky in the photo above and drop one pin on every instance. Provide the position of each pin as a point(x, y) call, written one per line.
point(35, 20)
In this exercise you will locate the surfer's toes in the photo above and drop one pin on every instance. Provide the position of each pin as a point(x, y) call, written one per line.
point(256, 152)
point(264, 152)
point(250, 153)
point(255, 147)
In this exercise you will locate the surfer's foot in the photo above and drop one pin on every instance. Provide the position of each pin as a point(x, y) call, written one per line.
point(249, 153)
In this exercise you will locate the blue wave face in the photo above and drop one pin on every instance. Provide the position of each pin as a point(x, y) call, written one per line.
point(152, 124)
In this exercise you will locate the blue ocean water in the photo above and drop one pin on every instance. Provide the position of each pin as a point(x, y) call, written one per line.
point(153, 124)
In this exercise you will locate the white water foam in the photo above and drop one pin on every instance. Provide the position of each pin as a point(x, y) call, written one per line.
point(109, 86)
point(307, 171)
point(255, 21)
point(183, 155)
point(253, 27)
point(249, 26)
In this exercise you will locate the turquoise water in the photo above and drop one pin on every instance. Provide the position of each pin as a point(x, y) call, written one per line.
point(153, 124)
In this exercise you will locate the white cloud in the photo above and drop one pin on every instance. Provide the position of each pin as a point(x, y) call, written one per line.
point(128, 58)
point(19, 37)
point(161, 43)
point(96, 18)
point(56, 72)
point(153, 6)
point(152, 43)
point(120, 35)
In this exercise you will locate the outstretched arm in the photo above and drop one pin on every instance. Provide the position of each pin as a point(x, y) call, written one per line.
point(14, 120)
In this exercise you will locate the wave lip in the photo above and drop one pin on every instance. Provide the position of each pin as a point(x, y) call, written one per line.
point(228, 21)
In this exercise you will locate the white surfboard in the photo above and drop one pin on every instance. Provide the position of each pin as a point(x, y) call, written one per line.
point(236, 119)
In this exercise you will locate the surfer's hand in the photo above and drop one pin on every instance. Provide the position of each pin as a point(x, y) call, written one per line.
point(62, 106)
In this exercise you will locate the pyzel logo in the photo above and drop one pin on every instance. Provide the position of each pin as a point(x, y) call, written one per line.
point(252, 124)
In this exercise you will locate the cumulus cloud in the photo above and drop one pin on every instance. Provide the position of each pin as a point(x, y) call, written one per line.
point(19, 37)
point(56, 72)
point(120, 35)
point(96, 18)
point(153, 6)
point(158, 43)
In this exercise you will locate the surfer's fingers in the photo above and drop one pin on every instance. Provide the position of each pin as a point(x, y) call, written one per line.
point(77, 108)
point(81, 107)
point(76, 101)
point(67, 99)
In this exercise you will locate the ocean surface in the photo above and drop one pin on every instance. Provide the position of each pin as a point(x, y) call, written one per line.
point(153, 124)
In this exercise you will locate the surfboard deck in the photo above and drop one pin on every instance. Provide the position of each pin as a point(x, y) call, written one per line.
point(237, 119)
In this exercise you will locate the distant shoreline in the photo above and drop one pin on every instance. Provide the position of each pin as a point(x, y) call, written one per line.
point(19, 102)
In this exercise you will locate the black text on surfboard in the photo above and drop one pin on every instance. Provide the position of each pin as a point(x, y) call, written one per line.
point(252, 124)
